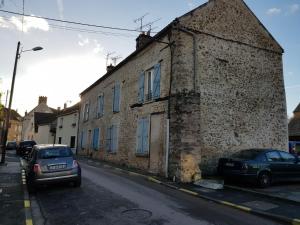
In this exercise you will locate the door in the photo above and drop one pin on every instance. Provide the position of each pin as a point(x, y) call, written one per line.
point(72, 142)
point(156, 144)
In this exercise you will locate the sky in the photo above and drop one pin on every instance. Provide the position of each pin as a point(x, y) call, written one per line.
point(73, 57)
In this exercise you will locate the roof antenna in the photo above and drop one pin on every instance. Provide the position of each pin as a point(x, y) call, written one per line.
point(140, 19)
point(107, 57)
point(114, 59)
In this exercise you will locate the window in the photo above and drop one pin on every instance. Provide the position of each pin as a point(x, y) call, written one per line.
point(273, 157)
point(116, 99)
point(287, 157)
point(96, 139)
point(100, 109)
point(143, 136)
point(86, 111)
point(61, 121)
point(72, 141)
point(59, 140)
point(82, 140)
point(149, 84)
point(112, 139)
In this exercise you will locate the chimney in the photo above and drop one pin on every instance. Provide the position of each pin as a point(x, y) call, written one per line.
point(142, 39)
point(43, 99)
point(109, 68)
point(26, 113)
point(65, 105)
point(58, 108)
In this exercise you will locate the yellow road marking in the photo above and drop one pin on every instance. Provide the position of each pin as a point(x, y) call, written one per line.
point(154, 180)
point(26, 203)
point(29, 222)
point(236, 206)
point(188, 191)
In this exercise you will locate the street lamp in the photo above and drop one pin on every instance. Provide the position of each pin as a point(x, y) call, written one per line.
point(4, 139)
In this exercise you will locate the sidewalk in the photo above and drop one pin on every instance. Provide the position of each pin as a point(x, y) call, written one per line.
point(11, 192)
point(278, 209)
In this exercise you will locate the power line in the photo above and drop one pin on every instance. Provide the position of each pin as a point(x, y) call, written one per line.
point(70, 22)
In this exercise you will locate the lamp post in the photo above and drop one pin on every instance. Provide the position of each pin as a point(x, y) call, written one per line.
point(6, 126)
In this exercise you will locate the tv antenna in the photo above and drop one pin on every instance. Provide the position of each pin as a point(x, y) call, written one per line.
point(140, 20)
point(107, 56)
point(114, 59)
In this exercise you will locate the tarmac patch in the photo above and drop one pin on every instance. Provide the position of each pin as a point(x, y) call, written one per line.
point(261, 205)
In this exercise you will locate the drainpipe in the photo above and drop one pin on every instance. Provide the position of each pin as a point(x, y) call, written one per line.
point(194, 52)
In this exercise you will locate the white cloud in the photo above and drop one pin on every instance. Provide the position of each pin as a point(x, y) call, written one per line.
point(29, 23)
point(273, 11)
point(294, 8)
point(83, 41)
point(4, 23)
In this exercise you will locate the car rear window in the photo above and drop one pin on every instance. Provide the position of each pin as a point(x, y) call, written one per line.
point(247, 154)
point(54, 153)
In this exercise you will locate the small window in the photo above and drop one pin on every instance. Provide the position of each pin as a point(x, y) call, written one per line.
point(273, 156)
point(287, 157)
point(59, 140)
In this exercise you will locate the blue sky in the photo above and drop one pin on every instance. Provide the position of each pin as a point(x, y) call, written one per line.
point(72, 60)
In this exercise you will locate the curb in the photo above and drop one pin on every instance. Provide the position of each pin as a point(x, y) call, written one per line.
point(262, 194)
point(27, 203)
point(292, 221)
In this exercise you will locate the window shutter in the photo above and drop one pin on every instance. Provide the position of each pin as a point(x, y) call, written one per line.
point(146, 135)
point(114, 138)
point(96, 139)
point(156, 81)
point(108, 139)
point(102, 105)
point(141, 87)
point(116, 102)
point(139, 136)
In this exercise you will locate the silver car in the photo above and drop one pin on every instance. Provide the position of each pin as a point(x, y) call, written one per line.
point(52, 164)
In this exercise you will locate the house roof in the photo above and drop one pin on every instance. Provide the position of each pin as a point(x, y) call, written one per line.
point(14, 115)
point(158, 36)
point(69, 110)
point(297, 109)
point(294, 127)
point(44, 118)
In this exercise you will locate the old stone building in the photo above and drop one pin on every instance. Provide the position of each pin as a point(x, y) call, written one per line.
point(294, 125)
point(28, 123)
point(15, 124)
point(207, 85)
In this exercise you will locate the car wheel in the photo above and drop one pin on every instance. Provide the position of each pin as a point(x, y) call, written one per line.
point(264, 179)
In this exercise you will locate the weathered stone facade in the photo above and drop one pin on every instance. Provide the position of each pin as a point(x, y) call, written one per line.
point(222, 90)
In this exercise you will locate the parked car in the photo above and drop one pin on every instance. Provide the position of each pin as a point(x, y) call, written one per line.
point(11, 145)
point(25, 147)
point(261, 165)
point(52, 164)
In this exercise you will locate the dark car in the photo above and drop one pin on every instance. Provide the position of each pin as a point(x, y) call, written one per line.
point(261, 165)
point(52, 164)
point(11, 145)
point(25, 147)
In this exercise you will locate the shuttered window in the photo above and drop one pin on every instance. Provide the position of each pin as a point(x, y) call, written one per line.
point(116, 98)
point(112, 134)
point(143, 136)
point(141, 92)
point(82, 140)
point(96, 139)
point(100, 110)
point(156, 82)
point(86, 111)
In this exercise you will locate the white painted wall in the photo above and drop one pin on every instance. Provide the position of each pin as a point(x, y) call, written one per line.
point(43, 136)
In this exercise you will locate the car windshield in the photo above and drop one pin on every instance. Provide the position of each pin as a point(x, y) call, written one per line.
point(54, 153)
point(26, 143)
point(247, 154)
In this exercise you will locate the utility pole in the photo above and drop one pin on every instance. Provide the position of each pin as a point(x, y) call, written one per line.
point(5, 130)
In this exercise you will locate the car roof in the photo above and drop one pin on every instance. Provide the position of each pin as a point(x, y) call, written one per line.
point(50, 146)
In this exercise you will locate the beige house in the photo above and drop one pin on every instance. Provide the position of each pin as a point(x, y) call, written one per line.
point(15, 124)
point(67, 126)
point(28, 123)
point(207, 85)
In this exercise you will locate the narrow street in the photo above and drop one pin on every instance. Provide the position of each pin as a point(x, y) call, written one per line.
point(110, 197)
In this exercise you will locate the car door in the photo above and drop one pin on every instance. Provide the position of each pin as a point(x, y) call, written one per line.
point(291, 165)
point(276, 164)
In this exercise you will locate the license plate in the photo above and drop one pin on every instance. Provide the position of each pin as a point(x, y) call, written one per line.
point(229, 164)
point(57, 167)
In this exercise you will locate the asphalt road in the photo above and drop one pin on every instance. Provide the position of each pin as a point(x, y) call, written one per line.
point(110, 197)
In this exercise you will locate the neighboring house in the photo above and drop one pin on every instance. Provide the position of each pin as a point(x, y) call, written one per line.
point(294, 125)
point(28, 128)
point(44, 127)
point(15, 124)
point(67, 126)
point(206, 86)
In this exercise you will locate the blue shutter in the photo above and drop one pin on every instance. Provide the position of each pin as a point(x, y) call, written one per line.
point(116, 100)
point(96, 139)
point(139, 136)
point(145, 135)
point(108, 139)
point(141, 87)
point(114, 138)
point(156, 81)
point(102, 105)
